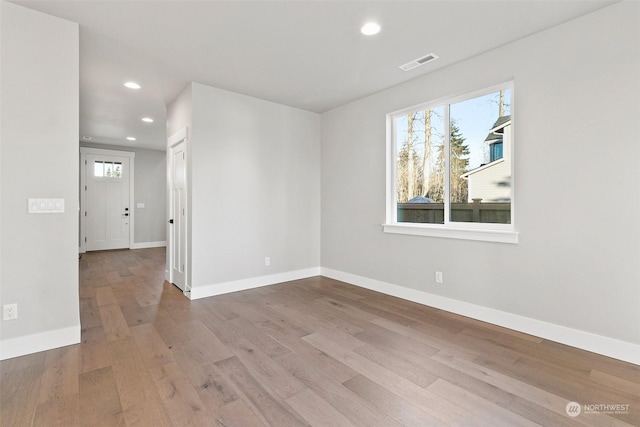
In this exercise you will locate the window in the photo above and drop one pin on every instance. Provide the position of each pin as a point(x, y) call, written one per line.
point(450, 167)
point(107, 169)
point(495, 151)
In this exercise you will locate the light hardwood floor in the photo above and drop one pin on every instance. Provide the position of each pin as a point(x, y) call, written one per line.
point(311, 352)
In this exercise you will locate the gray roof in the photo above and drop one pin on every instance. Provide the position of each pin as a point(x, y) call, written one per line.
point(493, 137)
point(495, 134)
point(501, 121)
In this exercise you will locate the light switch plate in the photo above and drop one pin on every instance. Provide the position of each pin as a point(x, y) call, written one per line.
point(39, 206)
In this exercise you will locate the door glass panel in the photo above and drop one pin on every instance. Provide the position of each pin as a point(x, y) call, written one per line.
point(98, 169)
point(107, 169)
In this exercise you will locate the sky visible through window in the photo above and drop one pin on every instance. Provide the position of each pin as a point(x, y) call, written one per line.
point(474, 118)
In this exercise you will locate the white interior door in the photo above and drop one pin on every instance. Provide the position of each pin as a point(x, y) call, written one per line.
point(108, 214)
point(178, 223)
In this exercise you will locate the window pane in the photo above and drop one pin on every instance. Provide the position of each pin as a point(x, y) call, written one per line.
point(496, 152)
point(98, 169)
point(480, 172)
point(420, 166)
point(107, 169)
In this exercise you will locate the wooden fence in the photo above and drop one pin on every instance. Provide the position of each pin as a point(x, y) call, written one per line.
point(433, 213)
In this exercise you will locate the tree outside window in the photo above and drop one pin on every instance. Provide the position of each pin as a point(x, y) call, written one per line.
point(453, 161)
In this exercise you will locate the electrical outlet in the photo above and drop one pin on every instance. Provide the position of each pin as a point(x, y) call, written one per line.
point(9, 311)
point(438, 276)
point(267, 261)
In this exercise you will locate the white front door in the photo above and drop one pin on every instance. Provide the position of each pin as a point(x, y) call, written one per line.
point(108, 214)
point(178, 223)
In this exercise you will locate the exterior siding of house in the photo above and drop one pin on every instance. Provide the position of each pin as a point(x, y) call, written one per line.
point(493, 184)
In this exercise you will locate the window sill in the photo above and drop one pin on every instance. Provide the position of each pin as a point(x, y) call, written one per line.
point(500, 236)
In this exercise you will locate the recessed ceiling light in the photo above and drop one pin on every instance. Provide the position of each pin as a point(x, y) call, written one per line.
point(87, 137)
point(130, 138)
point(147, 119)
point(132, 85)
point(370, 29)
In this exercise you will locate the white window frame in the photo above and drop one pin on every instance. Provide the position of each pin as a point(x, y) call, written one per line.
point(490, 232)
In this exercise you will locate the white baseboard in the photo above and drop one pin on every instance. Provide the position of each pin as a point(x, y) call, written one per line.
point(606, 346)
point(145, 245)
point(250, 283)
point(42, 341)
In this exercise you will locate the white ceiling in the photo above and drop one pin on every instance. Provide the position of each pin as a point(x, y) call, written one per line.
point(306, 54)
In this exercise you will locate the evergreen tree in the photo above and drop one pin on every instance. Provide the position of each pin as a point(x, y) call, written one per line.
point(459, 159)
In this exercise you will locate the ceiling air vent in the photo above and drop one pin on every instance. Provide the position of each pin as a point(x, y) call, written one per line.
point(418, 62)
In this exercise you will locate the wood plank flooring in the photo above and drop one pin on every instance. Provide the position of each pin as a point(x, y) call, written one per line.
point(310, 352)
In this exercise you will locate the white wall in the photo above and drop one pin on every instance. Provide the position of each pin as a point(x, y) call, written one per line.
point(255, 193)
point(150, 177)
point(39, 143)
point(150, 189)
point(179, 112)
point(577, 172)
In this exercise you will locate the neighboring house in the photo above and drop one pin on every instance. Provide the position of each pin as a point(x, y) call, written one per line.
point(491, 182)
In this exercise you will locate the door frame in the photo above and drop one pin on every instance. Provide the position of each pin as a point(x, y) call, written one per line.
point(174, 140)
point(83, 189)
